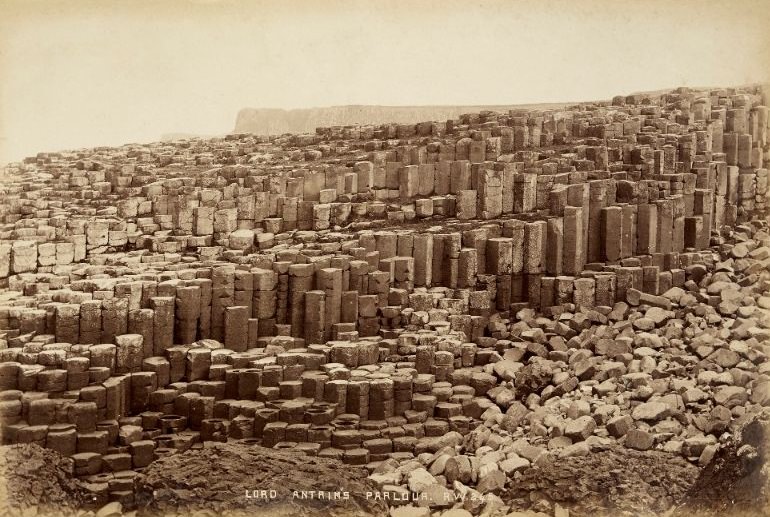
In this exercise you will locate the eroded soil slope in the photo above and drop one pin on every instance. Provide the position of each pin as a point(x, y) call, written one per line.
point(218, 477)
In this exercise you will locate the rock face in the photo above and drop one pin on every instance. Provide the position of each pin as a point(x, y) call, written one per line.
point(267, 121)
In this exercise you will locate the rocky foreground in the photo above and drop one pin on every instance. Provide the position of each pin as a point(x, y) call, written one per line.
point(539, 312)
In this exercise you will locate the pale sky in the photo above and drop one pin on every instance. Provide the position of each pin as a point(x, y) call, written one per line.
point(82, 74)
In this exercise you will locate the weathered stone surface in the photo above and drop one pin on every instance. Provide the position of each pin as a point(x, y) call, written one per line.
point(651, 411)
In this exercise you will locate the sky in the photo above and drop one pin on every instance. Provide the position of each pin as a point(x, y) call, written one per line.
point(79, 73)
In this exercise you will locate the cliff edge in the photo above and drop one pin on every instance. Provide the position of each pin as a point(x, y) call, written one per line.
point(270, 121)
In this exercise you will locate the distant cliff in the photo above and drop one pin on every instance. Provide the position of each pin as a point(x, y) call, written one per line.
point(268, 121)
point(170, 137)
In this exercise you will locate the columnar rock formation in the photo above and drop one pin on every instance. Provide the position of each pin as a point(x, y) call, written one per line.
point(444, 302)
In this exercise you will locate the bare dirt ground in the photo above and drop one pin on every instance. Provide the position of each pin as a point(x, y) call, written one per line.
point(617, 481)
point(40, 480)
point(736, 482)
point(219, 477)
